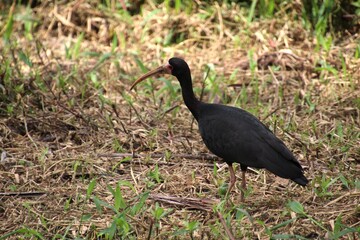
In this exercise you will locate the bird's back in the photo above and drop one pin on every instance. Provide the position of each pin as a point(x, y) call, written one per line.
point(237, 136)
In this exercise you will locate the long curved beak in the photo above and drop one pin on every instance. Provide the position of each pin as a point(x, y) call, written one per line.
point(167, 68)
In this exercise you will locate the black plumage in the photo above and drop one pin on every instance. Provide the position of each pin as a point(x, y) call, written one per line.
point(234, 134)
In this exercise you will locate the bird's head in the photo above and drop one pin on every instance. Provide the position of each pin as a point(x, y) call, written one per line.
point(175, 66)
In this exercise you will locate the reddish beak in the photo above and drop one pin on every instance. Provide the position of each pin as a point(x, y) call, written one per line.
point(167, 68)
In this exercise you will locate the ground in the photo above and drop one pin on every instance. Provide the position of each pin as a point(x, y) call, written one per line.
point(84, 157)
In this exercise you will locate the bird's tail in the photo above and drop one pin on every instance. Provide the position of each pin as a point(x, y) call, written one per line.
point(301, 180)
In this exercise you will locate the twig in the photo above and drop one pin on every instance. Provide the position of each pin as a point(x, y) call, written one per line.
point(203, 84)
point(160, 155)
point(113, 106)
point(21, 194)
point(137, 114)
point(170, 109)
point(341, 197)
point(227, 230)
point(150, 229)
point(69, 24)
point(297, 139)
point(189, 203)
point(27, 131)
point(271, 113)
point(134, 179)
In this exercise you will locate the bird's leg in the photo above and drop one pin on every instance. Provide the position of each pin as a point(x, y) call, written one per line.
point(243, 183)
point(232, 178)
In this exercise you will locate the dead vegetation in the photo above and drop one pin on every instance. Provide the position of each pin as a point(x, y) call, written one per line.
point(68, 120)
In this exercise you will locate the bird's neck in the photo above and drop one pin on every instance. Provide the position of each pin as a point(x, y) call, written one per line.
point(190, 100)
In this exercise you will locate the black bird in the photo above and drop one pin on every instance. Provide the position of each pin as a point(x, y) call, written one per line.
point(232, 133)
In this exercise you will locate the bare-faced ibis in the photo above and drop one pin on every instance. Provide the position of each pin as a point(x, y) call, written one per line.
point(232, 133)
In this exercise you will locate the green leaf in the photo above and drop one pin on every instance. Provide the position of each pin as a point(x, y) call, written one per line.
point(99, 203)
point(344, 181)
point(140, 64)
point(114, 43)
point(158, 212)
point(192, 226)
point(296, 207)
point(23, 57)
point(102, 59)
point(110, 231)
point(244, 212)
point(23, 231)
point(86, 217)
point(345, 232)
point(282, 224)
point(155, 175)
point(119, 200)
point(215, 170)
point(91, 187)
point(9, 27)
point(127, 184)
point(179, 232)
point(287, 236)
point(111, 190)
point(137, 207)
point(252, 11)
point(76, 49)
point(122, 225)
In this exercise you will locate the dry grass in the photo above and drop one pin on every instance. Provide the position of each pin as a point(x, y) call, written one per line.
point(58, 139)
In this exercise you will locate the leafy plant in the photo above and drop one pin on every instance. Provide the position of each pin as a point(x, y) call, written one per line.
point(154, 175)
point(120, 225)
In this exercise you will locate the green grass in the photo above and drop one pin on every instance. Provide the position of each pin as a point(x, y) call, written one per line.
point(65, 100)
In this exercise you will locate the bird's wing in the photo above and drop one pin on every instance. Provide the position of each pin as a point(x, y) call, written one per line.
point(236, 131)
point(230, 134)
point(262, 132)
point(276, 144)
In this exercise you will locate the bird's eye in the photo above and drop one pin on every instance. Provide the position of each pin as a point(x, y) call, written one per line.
point(168, 68)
